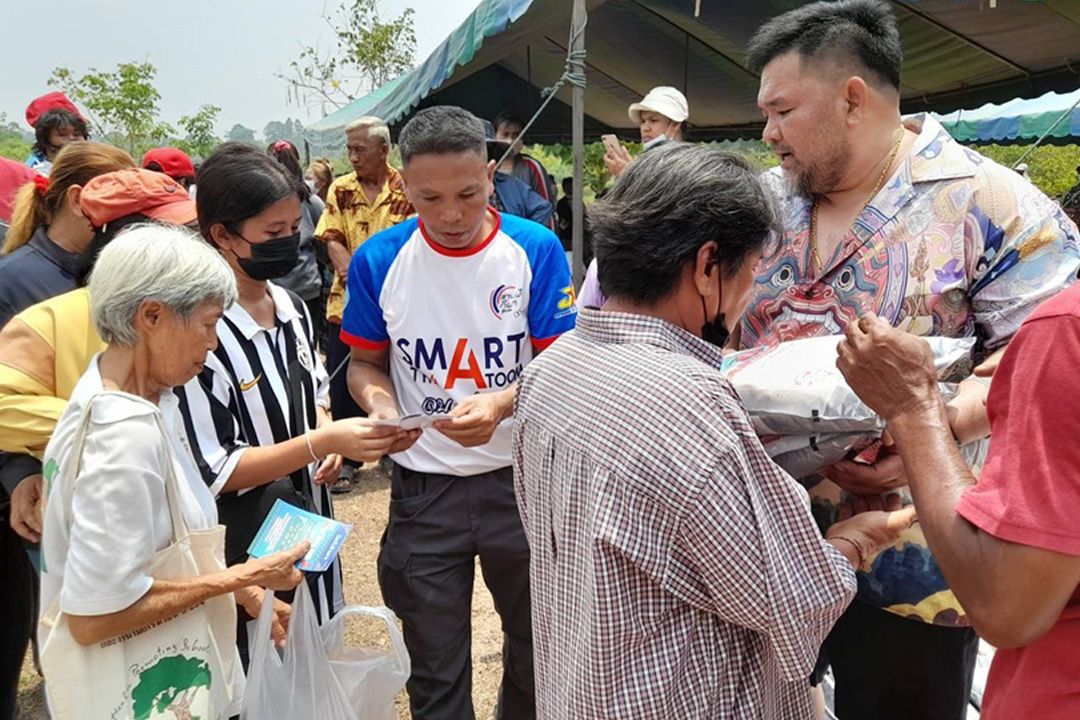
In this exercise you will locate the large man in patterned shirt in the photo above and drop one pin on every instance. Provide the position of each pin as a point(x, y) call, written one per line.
point(891, 216)
point(358, 205)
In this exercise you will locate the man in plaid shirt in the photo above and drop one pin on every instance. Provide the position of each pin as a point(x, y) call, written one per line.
point(676, 571)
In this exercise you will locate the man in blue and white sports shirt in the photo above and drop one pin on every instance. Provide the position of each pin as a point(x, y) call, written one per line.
point(444, 311)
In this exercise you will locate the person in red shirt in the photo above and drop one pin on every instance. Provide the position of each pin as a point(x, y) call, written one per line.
point(1008, 543)
point(13, 176)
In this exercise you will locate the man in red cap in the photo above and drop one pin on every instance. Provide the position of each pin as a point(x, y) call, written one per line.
point(56, 122)
point(173, 162)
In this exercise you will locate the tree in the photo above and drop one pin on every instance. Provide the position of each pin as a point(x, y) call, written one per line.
point(123, 104)
point(367, 53)
point(291, 130)
point(13, 142)
point(170, 684)
point(200, 140)
point(239, 133)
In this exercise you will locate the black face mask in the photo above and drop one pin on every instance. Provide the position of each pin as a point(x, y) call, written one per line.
point(271, 259)
point(714, 331)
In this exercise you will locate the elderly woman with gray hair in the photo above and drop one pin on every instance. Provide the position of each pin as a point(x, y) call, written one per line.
point(125, 498)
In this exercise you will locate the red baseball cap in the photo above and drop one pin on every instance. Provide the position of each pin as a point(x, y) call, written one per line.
point(50, 101)
point(174, 162)
point(136, 191)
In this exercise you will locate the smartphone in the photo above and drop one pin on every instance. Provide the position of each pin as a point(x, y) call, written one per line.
point(610, 142)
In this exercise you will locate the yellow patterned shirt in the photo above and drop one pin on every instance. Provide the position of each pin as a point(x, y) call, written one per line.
point(350, 219)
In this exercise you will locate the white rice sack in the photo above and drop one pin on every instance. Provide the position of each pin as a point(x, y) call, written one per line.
point(795, 388)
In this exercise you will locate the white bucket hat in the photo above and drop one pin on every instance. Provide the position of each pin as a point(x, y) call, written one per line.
point(665, 100)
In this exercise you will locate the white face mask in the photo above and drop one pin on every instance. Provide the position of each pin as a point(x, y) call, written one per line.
point(658, 140)
point(310, 184)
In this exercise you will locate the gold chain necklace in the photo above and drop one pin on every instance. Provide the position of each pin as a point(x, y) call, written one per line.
point(815, 253)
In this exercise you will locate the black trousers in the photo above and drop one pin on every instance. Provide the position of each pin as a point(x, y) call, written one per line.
point(438, 525)
point(342, 404)
point(890, 668)
point(18, 608)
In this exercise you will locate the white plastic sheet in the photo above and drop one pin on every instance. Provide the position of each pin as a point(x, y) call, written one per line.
point(795, 388)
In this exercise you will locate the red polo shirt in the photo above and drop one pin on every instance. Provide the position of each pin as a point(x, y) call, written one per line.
point(1029, 493)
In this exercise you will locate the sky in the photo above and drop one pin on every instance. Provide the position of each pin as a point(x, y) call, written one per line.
point(218, 52)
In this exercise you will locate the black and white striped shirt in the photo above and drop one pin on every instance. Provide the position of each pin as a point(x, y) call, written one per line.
point(242, 399)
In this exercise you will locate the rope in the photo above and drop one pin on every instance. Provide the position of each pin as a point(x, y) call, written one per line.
point(573, 74)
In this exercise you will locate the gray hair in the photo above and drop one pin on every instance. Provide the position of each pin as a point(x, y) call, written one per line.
point(152, 261)
point(442, 130)
point(375, 127)
point(668, 203)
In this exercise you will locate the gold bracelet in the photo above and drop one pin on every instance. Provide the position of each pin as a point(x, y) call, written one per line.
point(314, 457)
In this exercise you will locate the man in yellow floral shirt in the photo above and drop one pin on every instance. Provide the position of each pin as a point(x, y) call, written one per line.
point(358, 205)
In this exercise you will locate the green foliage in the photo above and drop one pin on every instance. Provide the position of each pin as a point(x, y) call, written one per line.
point(13, 142)
point(239, 133)
point(559, 161)
point(123, 104)
point(367, 52)
point(291, 130)
point(1052, 168)
point(200, 140)
point(171, 680)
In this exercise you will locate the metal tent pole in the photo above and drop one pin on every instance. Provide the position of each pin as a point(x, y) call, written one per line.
point(577, 45)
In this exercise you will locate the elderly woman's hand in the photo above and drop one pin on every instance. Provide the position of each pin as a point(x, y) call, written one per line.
point(251, 599)
point(277, 571)
point(890, 370)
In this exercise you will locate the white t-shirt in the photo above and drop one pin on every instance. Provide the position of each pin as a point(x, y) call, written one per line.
point(95, 559)
point(457, 323)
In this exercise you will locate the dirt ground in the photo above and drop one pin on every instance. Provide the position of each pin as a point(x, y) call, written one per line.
point(366, 508)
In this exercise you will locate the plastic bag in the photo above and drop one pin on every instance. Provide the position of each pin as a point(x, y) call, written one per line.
point(371, 678)
point(316, 676)
point(795, 388)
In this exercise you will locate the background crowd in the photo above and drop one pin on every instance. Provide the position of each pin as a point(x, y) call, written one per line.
point(182, 346)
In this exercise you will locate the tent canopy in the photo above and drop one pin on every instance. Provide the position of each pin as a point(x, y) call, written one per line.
point(1054, 115)
point(956, 54)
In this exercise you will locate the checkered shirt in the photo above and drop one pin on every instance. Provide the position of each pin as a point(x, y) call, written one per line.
point(676, 571)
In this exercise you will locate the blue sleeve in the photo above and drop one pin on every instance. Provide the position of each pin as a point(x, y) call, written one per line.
point(537, 208)
point(363, 324)
point(552, 305)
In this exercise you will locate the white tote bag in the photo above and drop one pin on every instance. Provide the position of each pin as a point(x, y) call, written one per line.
point(180, 668)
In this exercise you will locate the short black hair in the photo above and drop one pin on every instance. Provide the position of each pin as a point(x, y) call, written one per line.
point(441, 130)
point(236, 183)
point(54, 120)
point(862, 32)
point(665, 206)
point(102, 237)
point(567, 184)
point(507, 118)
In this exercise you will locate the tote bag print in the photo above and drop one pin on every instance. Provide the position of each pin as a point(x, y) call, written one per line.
point(171, 684)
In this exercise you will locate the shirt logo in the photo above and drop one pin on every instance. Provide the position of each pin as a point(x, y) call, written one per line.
point(506, 300)
point(245, 386)
point(567, 304)
point(303, 355)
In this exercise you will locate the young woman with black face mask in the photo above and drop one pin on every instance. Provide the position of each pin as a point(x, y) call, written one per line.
point(257, 415)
